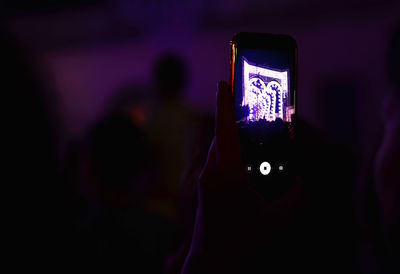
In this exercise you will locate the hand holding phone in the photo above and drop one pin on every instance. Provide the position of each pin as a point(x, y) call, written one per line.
point(234, 225)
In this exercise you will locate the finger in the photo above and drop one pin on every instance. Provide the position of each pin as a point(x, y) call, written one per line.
point(207, 175)
point(211, 158)
point(282, 210)
point(227, 139)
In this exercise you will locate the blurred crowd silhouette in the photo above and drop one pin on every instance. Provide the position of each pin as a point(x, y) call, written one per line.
point(123, 198)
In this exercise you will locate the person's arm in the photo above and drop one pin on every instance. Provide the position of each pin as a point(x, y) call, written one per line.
point(233, 223)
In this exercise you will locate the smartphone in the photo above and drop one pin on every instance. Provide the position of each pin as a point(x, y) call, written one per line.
point(264, 84)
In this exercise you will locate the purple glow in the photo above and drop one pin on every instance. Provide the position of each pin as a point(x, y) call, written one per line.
point(265, 92)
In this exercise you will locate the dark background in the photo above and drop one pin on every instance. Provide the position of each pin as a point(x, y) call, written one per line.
point(87, 57)
point(89, 49)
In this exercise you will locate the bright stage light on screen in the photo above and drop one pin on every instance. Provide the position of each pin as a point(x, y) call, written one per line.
point(265, 92)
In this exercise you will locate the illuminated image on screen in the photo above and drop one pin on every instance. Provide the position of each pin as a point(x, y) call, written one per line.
point(265, 92)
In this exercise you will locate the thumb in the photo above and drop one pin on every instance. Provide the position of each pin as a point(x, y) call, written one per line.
point(227, 138)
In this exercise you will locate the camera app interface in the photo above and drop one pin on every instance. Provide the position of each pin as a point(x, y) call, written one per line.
point(264, 104)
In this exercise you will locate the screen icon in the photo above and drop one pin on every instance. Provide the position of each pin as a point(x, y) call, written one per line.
point(265, 168)
point(249, 168)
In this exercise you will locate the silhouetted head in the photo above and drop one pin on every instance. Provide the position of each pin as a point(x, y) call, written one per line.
point(170, 76)
point(117, 153)
point(394, 59)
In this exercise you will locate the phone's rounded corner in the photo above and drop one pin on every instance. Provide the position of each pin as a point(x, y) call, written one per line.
point(292, 41)
point(235, 38)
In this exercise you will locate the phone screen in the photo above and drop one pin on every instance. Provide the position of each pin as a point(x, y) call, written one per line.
point(264, 87)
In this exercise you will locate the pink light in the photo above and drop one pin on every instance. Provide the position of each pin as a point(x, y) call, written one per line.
point(265, 92)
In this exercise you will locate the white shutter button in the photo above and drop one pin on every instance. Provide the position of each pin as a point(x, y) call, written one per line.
point(265, 168)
